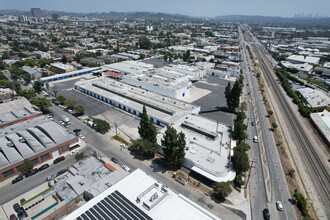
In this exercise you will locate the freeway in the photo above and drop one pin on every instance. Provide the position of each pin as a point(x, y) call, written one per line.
point(315, 167)
point(269, 160)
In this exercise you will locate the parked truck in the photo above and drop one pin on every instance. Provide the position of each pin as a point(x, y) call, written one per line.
point(66, 119)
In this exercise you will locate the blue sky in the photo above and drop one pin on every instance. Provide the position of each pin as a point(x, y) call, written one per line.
point(210, 8)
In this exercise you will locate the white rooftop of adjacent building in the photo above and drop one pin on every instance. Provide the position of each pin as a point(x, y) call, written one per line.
point(16, 109)
point(322, 121)
point(304, 59)
point(315, 98)
point(161, 107)
point(63, 66)
point(139, 196)
point(208, 147)
point(305, 67)
point(88, 175)
point(25, 139)
point(130, 67)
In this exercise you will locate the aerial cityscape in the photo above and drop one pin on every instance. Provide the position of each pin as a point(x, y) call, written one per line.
point(164, 110)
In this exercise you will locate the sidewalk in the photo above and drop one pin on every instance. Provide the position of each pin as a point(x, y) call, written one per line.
point(239, 202)
point(82, 145)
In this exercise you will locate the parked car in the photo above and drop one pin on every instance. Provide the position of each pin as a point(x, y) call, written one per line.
point(51, 177)
point(12, 217)
point(279, 205)
point(74, 152)
point(81, 136)
point(266, 214)
point(17, 207)
point(31, 172)
point(59, 159)
point(125, 167)
point(123, 146)
point(77, 130)
point(114, 160)
point(45, 166)
point(17, 179)
point(61, 172)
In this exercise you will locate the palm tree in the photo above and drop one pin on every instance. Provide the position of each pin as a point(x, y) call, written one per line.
point(55, 91)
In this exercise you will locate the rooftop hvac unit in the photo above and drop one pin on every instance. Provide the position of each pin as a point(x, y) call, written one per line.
point(10, 144)
point(21, 139)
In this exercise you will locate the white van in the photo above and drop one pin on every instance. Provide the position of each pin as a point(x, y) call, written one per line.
point(255, 139)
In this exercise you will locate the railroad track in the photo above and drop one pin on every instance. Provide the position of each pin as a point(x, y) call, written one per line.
point(318, 170)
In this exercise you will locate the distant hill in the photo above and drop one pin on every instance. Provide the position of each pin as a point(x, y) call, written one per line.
point(305, 21)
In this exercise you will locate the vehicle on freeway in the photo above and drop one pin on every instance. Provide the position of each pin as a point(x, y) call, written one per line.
point(76, 130)
point(74, 152)
point(126, 168)
point(17, 207)
point(279, 205)
point(31, 172)
point(266, 214)
point(255, 139)
point(81, 136)
point(59, 159)
point(45, 166)
point(17, 179)
point(51, 177)
point(253, 123)
point(114, 160)
point(61, 172)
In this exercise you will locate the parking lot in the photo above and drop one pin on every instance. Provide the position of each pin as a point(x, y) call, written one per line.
point(214, 99)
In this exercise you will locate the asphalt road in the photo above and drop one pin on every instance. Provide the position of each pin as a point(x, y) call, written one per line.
point(12, 191)
point(278, 190)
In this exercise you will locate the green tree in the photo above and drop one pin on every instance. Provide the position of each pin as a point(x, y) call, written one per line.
point(55, 91)
point(70, 104)
point(37, 86)
point(302, 203)
point(28, 93)
point(144, 148)
point(42, 103)
point(101, 125)
point(238, 181)
point(186, 56)
point(61, 99)
point(228, 96)
point(240, 160)
point(80, 156)
point(26, 166)
point(236, 94)
point(180, 151)
point(144, 43)
point(222, 190)
point(146, 129)
point(80, 110)
point(274, 126)
point(169, 143)
point(64, 59)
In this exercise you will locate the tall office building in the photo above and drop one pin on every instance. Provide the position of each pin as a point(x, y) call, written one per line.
point(37, 13)
point(55, 17)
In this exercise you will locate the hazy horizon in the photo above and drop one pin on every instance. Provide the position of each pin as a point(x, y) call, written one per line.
point(206, 8)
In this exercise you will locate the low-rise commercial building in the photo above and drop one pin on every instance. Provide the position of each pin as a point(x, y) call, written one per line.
point(139, 196)
point(303, 59)
point(6, 94)
point(37, 140)
point(208, 147)
point(64, 76)
point(321, 120)
point(62, 68)
point(316, 99)
point(162, 110)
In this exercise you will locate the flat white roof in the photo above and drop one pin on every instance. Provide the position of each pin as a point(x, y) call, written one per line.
point(315, 98)
point(167, 203)
point(161, 107)
point(322, 121)
point(208, 147)
point(303, 59)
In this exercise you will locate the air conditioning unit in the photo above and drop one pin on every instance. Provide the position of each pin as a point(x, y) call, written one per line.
point(21, 139)
point(10, 144)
